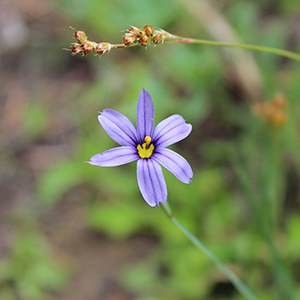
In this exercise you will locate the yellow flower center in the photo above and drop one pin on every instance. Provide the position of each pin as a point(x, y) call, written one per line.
point(146, 149)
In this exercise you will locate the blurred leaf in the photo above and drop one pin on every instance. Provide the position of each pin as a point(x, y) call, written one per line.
point(30, 268)
point(293, 238)
point(113, 16)
point(290, 6)
point(117, 219)
point(140, 276)
point(35, 119)
point(58, 180)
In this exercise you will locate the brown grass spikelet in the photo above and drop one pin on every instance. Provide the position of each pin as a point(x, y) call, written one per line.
point(273, 112)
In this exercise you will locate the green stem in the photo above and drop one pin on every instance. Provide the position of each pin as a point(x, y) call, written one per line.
point(183, 40)
point(239, 285)
point(284, 284)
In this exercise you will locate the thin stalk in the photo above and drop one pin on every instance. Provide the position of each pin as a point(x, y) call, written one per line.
point(238, 284)
point(183, 40)
point(283, 285)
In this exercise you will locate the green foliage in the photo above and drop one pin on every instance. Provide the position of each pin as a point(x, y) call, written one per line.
point(119, 220)
point(35, 119)
point(113, 15)
point(243, 202)
point(30, 272)
point(57, 180)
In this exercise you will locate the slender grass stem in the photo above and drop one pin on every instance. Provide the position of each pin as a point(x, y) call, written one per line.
point(238, 284)
point(183, 40)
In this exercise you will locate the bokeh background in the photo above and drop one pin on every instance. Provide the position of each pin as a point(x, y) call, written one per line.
point(71, 231)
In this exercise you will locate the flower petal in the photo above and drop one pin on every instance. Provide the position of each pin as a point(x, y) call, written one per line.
point(115, 157)
point(171, 130)
point(145, 116)
point(174, 163)
point(151, 181)
point(118, 127)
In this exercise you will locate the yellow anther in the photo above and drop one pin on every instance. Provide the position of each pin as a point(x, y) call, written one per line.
point(147, 140)
point(146, 149)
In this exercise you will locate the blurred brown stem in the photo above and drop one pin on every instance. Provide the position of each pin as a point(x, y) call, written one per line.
point(241, 62)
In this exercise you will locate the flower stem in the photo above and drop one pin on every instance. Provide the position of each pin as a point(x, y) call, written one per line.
point(238, 284)
point(183, 40)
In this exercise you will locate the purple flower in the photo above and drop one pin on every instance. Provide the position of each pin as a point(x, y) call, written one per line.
point(146, 144)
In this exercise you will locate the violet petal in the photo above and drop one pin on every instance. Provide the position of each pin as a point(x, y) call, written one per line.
point(174, 163)
point(151, 181)
point(118, 127)
point(115, 157)
point(145, 116)
point(171, 130)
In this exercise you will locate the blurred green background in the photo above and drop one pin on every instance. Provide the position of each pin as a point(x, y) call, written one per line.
point(69, 230)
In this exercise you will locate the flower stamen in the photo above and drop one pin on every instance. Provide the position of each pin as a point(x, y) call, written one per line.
point(148, 140)
point(146, 149)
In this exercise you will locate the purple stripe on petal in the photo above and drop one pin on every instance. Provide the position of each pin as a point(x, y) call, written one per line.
point(118, 127)
point(151, 181)
point(171, 130)
point(174, 163)
point(145, 115)
point(115, 157)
